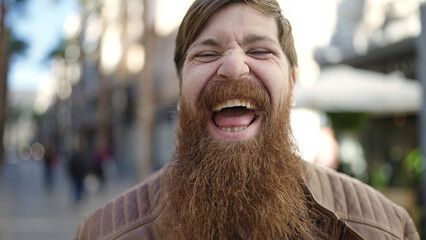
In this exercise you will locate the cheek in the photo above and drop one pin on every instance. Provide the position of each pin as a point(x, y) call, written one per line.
point(194, 81)
point(189, 91)
point(276, 82)
point(279, 91)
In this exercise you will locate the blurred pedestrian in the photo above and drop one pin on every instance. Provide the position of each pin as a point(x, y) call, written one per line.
point(101, 158)
point(78, 168)
point(50, 162)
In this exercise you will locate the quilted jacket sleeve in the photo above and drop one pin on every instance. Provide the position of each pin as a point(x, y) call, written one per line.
point(363, 208)
point(131, 215)
point(410, 231)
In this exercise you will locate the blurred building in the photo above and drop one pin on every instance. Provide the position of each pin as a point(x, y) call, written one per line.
point(377, 42)
point(115, 82)
point(20, 125)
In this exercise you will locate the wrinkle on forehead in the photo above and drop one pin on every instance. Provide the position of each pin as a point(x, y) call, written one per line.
point(240, 22)
point(247, 39)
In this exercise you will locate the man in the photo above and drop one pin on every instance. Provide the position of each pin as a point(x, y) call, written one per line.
point(236, 173)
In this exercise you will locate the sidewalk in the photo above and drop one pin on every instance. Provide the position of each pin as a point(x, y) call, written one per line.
point(29, 212)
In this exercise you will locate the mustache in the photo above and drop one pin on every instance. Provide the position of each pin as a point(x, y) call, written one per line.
point(217, 92)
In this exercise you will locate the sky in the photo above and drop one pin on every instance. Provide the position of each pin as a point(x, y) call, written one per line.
point(41, 26)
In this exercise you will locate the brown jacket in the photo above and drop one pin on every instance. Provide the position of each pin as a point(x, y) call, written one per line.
point(346, 209)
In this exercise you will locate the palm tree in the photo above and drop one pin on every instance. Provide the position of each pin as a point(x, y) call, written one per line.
point(8, 46)
point(4, 65)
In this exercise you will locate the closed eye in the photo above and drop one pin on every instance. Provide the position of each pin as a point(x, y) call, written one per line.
point(259, 53)
point(206, 56)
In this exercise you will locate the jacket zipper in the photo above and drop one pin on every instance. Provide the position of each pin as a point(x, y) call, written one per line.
point(343, 232)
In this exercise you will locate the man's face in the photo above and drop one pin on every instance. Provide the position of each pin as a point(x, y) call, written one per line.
point(238, 43)
point(238, 157)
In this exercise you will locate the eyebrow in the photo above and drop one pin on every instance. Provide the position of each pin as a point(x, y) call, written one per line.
point(253, 38)
point(208, 42)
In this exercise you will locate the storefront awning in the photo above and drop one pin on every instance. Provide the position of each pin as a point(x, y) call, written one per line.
point(345, 89)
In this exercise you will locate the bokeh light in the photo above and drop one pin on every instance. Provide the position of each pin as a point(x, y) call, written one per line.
point(136, 58)
point(25, 151)
point(38, 151)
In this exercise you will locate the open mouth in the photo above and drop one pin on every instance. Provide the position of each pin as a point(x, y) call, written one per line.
point(234, 115)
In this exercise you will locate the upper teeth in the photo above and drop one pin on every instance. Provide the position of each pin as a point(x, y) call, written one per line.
point(233, 103)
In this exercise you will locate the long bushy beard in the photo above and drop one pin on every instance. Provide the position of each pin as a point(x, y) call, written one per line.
point(234, 189)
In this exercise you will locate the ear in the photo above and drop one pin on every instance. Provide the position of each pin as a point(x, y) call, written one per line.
point(292, 87)
point(293, 81)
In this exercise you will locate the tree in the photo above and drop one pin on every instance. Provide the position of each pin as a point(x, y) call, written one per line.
point(146, 92)
point(8, 46)
point(4, 65)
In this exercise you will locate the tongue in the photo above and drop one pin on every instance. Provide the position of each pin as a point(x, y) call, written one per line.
point(233, 117)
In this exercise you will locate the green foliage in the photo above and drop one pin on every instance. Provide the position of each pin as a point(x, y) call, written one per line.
point(380, 174)
point(60, 50)
point(413, 165)
point(348, 121)
point(17, 46)
point(13, 113)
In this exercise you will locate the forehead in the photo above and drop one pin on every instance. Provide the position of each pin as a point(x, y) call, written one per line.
point(239, 21)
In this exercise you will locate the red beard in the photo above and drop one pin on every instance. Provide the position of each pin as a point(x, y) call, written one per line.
point(234, 189)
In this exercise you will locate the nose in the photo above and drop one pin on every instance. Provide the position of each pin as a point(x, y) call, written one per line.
point(233, 67)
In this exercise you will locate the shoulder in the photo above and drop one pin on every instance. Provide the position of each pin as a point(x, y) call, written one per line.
point(361, 206)
point(133, 209)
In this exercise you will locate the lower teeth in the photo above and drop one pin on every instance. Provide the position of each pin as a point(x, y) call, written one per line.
point(233, 129)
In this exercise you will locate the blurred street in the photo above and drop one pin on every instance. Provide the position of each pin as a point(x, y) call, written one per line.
point(28, 210)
